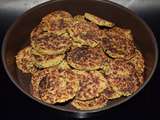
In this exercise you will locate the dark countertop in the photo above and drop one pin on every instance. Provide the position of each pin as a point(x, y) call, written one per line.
point(16, 105)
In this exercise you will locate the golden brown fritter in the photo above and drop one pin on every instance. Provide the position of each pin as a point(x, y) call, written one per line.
point(138, 62)
point(97, 20)
point(39, 30)
point(83, 58)
point(51, 44)
point(48, 60)
point(84, 32)
point(95, 103)
point(92, 83)
point(35, 80)
point(56, 22)
point(110, 93)
point(118, 45)
point(124, 85)
point(55, 85)
point(44, 61)
point(86, 58)
point(120, 67)
point(122, 77)
point(25, 60)
point(122, 32)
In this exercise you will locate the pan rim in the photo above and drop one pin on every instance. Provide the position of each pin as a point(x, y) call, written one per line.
point(82, 113)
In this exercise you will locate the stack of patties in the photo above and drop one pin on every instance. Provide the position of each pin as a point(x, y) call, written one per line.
point(84, 59)
point(87, 61)
point(49, 42)
point(50, 39)
point(52, 79)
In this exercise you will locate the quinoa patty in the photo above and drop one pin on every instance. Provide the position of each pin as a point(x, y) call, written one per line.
point(86, 58)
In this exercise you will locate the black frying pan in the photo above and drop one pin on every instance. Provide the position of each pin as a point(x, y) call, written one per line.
point(17, 37)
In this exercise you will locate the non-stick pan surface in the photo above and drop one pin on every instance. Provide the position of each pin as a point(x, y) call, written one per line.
point(17, 37)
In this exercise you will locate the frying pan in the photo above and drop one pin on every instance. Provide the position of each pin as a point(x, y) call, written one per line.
point(17, 37)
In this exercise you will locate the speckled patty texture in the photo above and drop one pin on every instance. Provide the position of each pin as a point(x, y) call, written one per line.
point(82, 60)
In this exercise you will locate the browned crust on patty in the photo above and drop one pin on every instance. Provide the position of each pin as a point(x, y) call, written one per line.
point(122, 77)
point(110, 93)
point(55, 85)
point(55, 22)
point(25, 60)
point(85, 32)
point(95, 103)
point(35, 81)
point(86, 58)
point(58, 20)
point(38, 31)
point(122, 32)
point(124, 85)
point(99, 21)
point(138, 62)
point(51, 43)
point(117, 44)
point(92, 83)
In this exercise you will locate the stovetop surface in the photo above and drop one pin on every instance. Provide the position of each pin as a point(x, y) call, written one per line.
point(16, 105)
